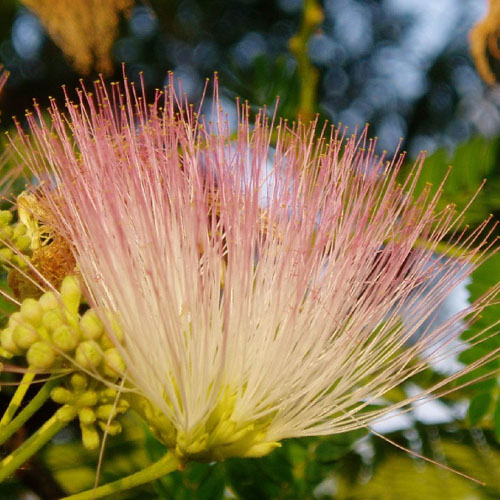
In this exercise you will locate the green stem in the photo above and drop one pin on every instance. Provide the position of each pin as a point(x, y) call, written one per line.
point(44, 434)
point(17, 399)
point(312, 17)
point(42, 396)
point(165, 465)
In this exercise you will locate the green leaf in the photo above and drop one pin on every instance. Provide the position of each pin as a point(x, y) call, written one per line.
point(479, 407)
point(496, 420)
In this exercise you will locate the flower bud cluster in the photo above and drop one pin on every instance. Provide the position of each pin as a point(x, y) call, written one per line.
point(13, 236)
point(49, 331)
point(52, 335)
point(96, 405)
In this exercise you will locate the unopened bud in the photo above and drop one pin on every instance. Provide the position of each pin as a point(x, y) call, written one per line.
point(90, 437)
point(113, 428)
point(6, 233)
point(25, 336)
point(105, 412)
point(7, 341)
point(91, 325)
point(23, 242)
point(6, 254)
point(20, 230)
point(5, 217)
point(79, 381)
point(41, 356)
point(107, 395)
point(86, 416)
point(61, 395)
point(88, 398)
point(65, 338)
point(114, 365)
point(15, 319)
point(66, 414)
point(31, 311)
point(52, 319)
point(88, 354)
point(49, 301)
point(71, 293)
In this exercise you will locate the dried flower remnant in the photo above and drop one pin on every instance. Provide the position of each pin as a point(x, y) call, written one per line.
point(274, 315)
point(484, 38)
point(83, 29)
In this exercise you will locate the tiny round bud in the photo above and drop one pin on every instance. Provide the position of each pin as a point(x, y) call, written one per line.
point(25, 336)
point(114, 365)
point(88, 398)
point(61, 395)
point(107, 395)
point(105, 412)
point(71, 293)
point(6, 233)
point(90, 437)
point(113, 428)
point(79, 381)
point(5, 217)
point(41, 356)
point(49, 301)
point(23, 242)
point(6, 254)
point(31, 311)
point(66, 414)
point(19, 230)
point(7, 341)
point(86, 416)
point(91, 325)
point(52, 319)
point(15, 319)
point(65, 338)
point(88, 354)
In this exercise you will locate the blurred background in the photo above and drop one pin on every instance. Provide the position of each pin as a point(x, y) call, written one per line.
point(404, 67)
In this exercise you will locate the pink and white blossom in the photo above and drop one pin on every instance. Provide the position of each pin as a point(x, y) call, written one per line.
point(267, 286)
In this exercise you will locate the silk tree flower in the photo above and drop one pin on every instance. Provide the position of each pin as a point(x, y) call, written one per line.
point(258, 291)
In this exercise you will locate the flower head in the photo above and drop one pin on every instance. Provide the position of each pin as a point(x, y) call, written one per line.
point(258, 289)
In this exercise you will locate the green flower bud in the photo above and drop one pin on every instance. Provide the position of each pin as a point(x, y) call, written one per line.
point(122, 406)
point(107, 395)
point(25, 336)
point(88, 398)
point(6, 254)
point(6, 233)
point(62, 396)
point(41, 356)
point(79, 381)
point(88, 354)
point(5, 217)
point(7, 341)
point(91, 325)
point(66, 414)
point(23, 242)
point(114, 365)
point(71, 293)
point(19, 260)
point(49, 301)
point(86, 416)
point(53, 319)
point(20, 230)
point(105, 412)
point(90, 437)
point(32, 311)
point(65, 338)
point(113, 428)
point(15, 319)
